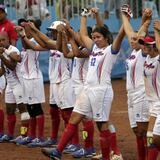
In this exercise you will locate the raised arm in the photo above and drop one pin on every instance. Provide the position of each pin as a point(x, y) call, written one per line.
point(27, 42)
point(99, 20)
point(157, 33)
point(41, 38)
point(83, 33)
point(117, 41)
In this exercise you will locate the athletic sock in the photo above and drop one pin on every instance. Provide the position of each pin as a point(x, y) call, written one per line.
point(152, 153)
point(141, 148)
point(114, 146)
point(11, 124)
point(75, 138)
point(105, 139)
point(66, 136)
point(55, 118)
point(32, 127)
point(40, 125)
point(66, 114)
point(89, 129)
point(1, 121)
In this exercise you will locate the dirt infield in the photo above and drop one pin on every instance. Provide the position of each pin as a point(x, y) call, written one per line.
point(119, 117)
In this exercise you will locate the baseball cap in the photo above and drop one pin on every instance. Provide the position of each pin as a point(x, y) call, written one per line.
point(2, 7)
point(55, 24)
point(147, 40)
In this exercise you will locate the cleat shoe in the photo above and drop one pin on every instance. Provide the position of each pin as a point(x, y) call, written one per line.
point(6, 138)
point(86, 12)
point(55, 154)
point(49, 143)
point(97, 157)
point(89, 152)
point(71, 148)
point(35, 143)
point(47, 151)
point(116, 157)
point(17, 139)
point(24, 141)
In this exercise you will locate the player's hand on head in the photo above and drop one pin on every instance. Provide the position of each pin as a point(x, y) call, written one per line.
point(32, 26)
point(60, 28)
point(20, 30)
point(67, 26)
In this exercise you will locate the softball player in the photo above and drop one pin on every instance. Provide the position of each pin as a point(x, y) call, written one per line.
point(33, 90)
point(151, 76)
point(96, 98)
point(10, 58)
point(79, 71)
point(138, 110)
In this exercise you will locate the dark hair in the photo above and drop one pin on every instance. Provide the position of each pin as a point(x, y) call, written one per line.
point(89, 31)
point(21, 20)
point(105, 32)
point(36, 22)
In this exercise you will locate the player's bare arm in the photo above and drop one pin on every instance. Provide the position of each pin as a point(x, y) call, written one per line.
point(83, 33)
point(157, 33)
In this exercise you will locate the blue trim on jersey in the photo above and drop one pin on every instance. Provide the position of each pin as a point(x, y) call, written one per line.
point(114, 51)
point(144, 55)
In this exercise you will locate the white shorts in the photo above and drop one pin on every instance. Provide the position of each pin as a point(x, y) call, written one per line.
point(14, 94)
point(154, 108)
point(66, 98)
point(53, 93)
point(95, 102)
point(156, 128)
point(77, 90)
point(33, 91)
point(138, 113)
point(2, 84)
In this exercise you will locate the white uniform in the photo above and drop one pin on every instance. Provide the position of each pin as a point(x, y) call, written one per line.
point(2, 82)
point(152, 86)
point(96, 98)
point(138, 109)
point(79, 72)
point(14, 89)
point(60, 79)
point(152, 83)
point(32, 77)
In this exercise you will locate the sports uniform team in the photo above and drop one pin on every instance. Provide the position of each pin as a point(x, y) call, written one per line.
point(80, 65)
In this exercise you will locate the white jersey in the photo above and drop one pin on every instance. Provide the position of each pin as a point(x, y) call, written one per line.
point(152, 78)
point(134, 70)
point(30, 64)
point(101, 62)
point(79, 70)
point(59, 67)
point(13, 77)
